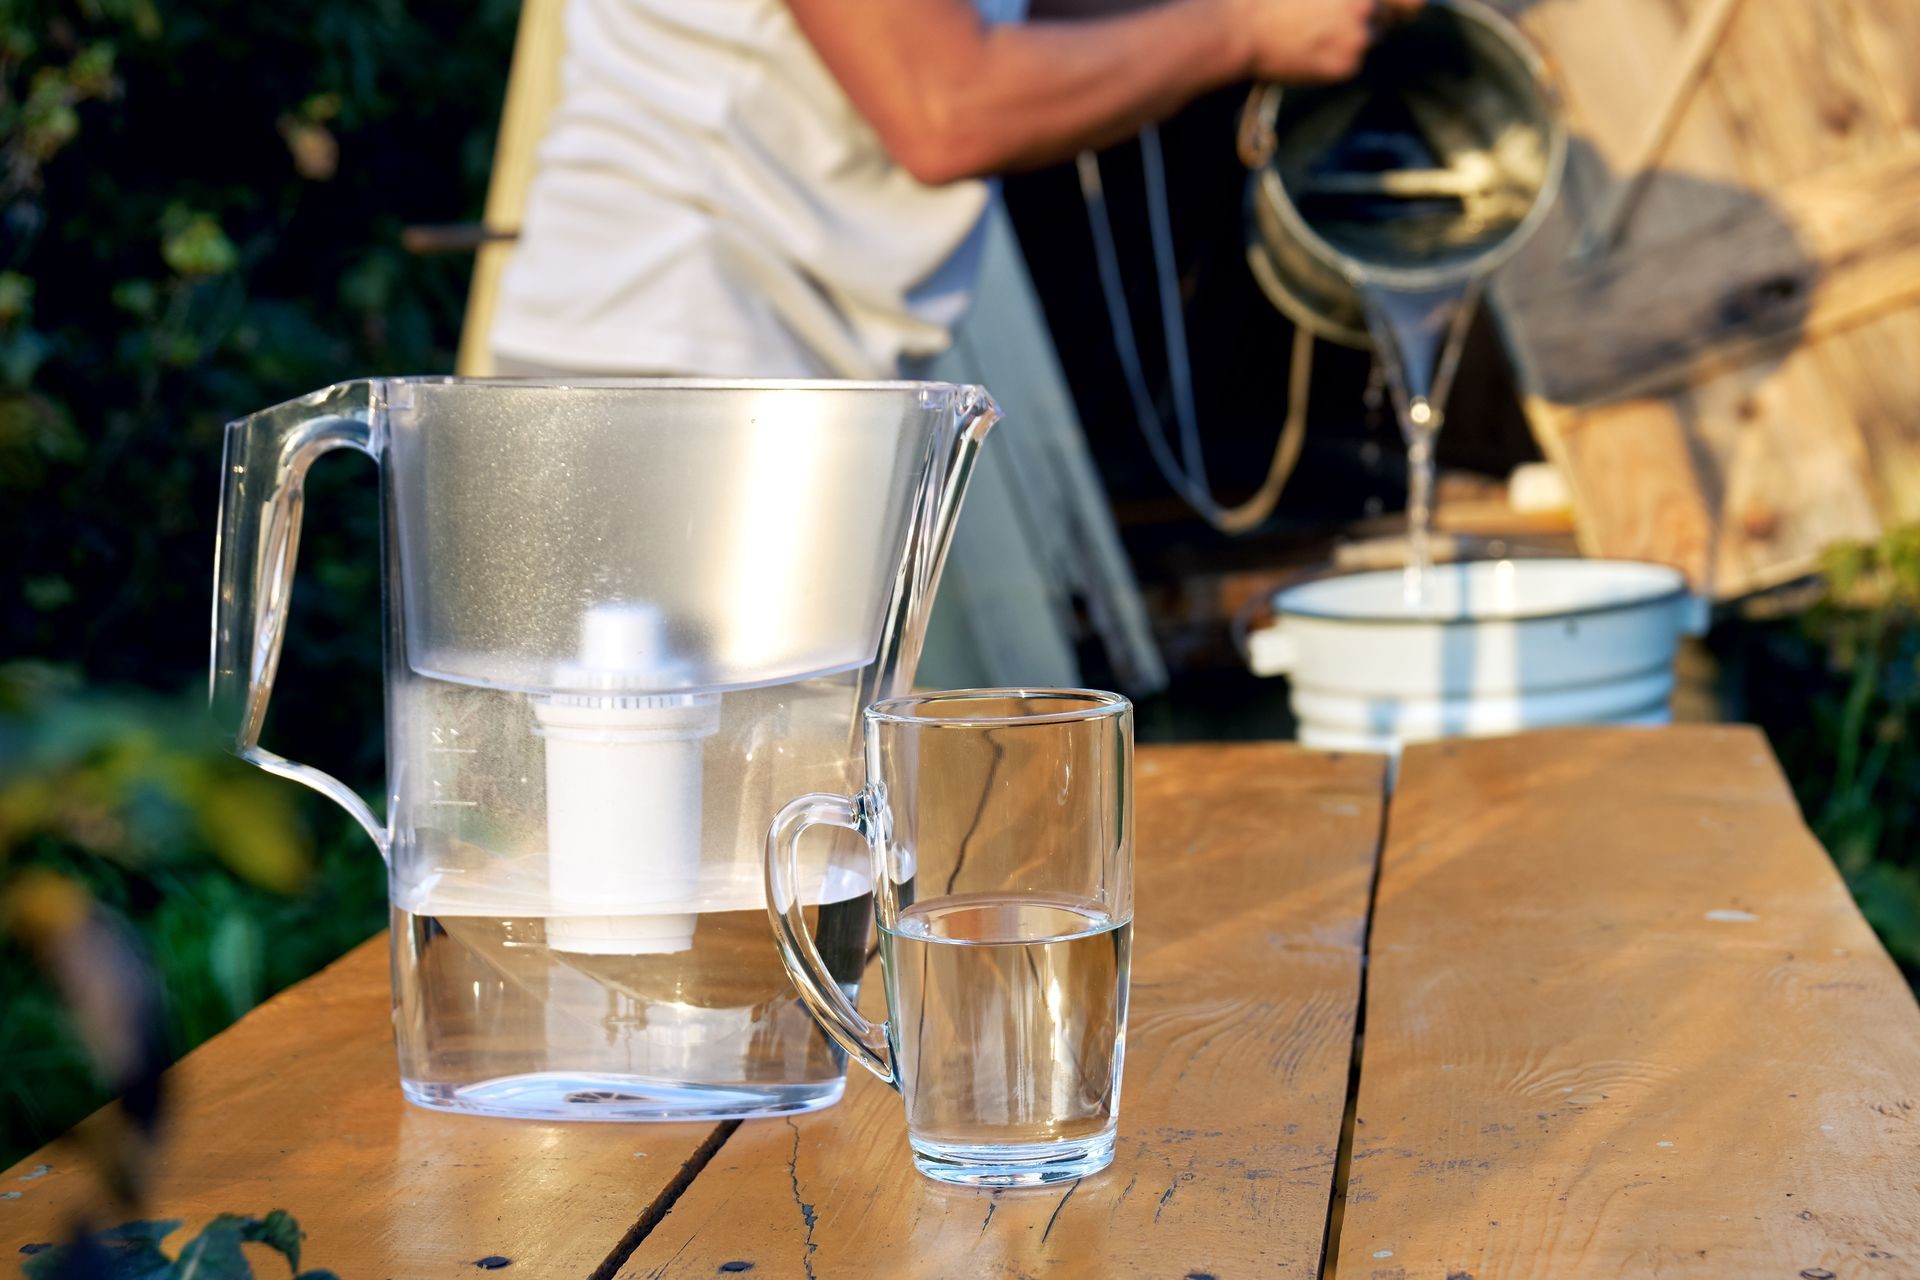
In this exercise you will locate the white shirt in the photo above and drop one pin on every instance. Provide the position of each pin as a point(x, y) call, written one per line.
point(708, 202)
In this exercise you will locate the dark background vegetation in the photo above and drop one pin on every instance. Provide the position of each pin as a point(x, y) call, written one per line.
point(200, 215)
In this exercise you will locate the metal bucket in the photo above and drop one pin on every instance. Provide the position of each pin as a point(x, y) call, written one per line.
point(1474, 73)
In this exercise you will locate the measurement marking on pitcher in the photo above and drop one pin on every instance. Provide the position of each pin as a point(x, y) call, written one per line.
point(441, 735)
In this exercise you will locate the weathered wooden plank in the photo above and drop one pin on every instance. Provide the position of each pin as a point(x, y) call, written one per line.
point(1641, 489)
point(1645, 484)
point(1795, 82)
point(1623, 1019)
point(1253, 870)
point(1872, 369)
point(1805, 470)
point(1869, 370)
point(1621, 57)
point(1796, 471)
point(1888, 31)
point(298, 1107)
point(1747, 251)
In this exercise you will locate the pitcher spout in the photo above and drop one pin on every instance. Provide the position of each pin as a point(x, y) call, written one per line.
point(975, 413)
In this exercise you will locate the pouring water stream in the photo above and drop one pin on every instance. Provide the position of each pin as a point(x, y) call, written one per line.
point(1417, 336)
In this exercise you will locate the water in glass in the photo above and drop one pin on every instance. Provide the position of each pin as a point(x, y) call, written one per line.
point(1009, 1022)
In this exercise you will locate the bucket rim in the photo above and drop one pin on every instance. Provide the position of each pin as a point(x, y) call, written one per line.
point(1669, 586)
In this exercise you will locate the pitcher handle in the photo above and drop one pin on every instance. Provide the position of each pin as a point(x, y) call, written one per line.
point(262, 493)
point(818, 989)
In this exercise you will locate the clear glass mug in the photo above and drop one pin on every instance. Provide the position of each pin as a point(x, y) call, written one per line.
point(1000, 823)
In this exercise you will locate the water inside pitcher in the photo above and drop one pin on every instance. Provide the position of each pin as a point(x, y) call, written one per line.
point(626, 622)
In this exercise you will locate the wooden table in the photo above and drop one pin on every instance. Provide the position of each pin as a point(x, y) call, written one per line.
point(1620, 1019)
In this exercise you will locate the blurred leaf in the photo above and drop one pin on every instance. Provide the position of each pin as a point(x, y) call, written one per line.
point(236, 949)
point(90, 74)
point(47, 121)
point(130, 1251)
point(34, 436)
point(320, 108)
point(21, 354)
point(40, 905)
point(51, 592)
point(215, 1253)
point(279, 1231)
point(315, 151)
point(197, 246)
point(1843, 565)
point(136, 297)
point(249, 823)
point(16, 297)
point(27, 684)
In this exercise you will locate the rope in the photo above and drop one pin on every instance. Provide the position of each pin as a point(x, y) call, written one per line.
point(1187, 474)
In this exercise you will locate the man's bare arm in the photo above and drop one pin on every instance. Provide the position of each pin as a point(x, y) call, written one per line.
point(952, 97)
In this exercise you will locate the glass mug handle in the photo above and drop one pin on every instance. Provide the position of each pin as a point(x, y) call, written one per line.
point(820, 992)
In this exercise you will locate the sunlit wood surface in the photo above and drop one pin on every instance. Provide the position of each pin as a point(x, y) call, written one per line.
point(1619, 1019)
point(1624, 1020)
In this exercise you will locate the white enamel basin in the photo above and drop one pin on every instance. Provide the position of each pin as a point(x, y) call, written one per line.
point(1499, 646)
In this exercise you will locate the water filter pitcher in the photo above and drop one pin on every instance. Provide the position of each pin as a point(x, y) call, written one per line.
point(625, 622)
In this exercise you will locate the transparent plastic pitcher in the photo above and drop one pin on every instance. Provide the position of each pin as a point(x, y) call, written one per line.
point(626, 622)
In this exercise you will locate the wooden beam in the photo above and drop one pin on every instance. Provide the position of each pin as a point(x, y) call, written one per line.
point(1624, 1019)
point(1253, 872)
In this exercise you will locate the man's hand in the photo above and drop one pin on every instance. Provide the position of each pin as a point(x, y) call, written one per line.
point(1311, 41)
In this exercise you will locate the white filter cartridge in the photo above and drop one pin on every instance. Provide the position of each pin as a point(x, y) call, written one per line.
point(623, 794)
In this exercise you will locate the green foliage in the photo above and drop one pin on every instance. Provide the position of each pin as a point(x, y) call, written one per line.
point(132, 1251)
point(214, 862)
point(1838, 689)
point(135, 780)
point(200, 214)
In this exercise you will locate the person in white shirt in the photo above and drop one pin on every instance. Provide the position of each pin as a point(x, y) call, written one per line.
point(795, 188)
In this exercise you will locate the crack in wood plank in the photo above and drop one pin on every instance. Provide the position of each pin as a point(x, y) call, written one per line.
point(807, 1215)
point(1057, 1208)
point(663, 1202)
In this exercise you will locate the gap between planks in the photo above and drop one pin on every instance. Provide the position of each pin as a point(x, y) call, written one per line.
point(1343, 1156)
